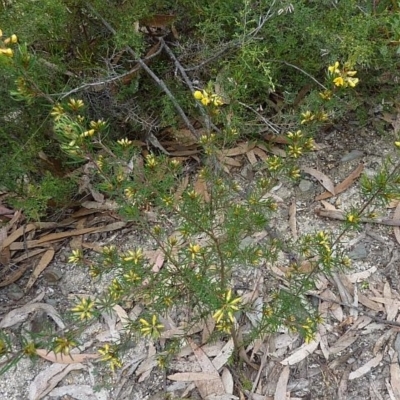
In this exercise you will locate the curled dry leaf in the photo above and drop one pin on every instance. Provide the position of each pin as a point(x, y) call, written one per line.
point(281, 387)
point(21, 314)
point(342, 186)
point(323, 179)
point(374, 362)
point(66, 359)
point(302, 352)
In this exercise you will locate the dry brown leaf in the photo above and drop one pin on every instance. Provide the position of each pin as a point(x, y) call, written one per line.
point(395, 375)
point(200, 187)
point(62, 235)
point(382, 340)
point(191, 376)
point(5, 210)
point(260, 153)
point(323, 179)
point(374, 362)
point(66, 359)
point(393, 306)
point(207, 387)
point(76, 241)
point(367, 302)
point(396, 229)
point(5, 254)
point(20, 314)
point(158, 20)
point(361, 276)
point(17, 234)
point(342, 186)
point(106, 206)
point(323, 344)
point(223, 356)
point(302, 352)
point(48, 379)
point(344, 342)
point(227, 381)
point(181, 188)
point(281, 387)
point(241, 149)
point(292, 219)
point(145, 368)
point(251, 157)
point(228, 161)
point(42, 265)
point(80, 392)
point(328, 206)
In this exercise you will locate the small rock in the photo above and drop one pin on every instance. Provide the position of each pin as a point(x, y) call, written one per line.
point(354, 154)
point(15, 292)
point(305, 185)
point(359, 252)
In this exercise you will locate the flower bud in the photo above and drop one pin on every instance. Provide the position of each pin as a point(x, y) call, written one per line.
point(7, 52)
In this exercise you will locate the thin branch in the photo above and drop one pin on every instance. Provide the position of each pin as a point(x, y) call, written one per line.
point(188, 82)
point(108, 80)
point(159, 82)
point(301, 70)
point(266, 122)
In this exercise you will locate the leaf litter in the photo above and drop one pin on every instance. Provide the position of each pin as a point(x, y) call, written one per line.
point(208, 372)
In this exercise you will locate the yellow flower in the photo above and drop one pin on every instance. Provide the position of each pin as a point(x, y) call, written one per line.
point(339, 81)
point(7, 52)
point(124, 142)
point(397, 144)
point(75, 104)
point(295, 151)
point(198, 95)
point(57, 111)
point(151, 161)
point(295, 135)
point(352, 82)
point(334, 69)
point(63, 345)
point(194, 249)
point(217, 100)
point(205, 101)
point(77, 256)
point(88, 133)
point(134, 255)
point(129, 193)
point(152, 329)
point(326, 95)
point(307, 117)
point(98, 125)
point(84, 309)
point(11, 40)
point(109, 354)
point(228, 308)
point(132, 276)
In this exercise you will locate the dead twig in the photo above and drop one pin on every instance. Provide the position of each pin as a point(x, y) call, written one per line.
point(341, 216)
point(108, 80)
point(372, 316)
point(150, 72)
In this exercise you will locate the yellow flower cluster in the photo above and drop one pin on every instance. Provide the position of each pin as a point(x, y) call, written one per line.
point(4, 49)
point(152, 329)
point(109, 354)
point(84, 309)
point(224, 316)
point(309, 117)
point(208, 98)
point(343, 77)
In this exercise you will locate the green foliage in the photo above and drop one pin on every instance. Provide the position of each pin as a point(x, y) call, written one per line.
point(304, 64)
